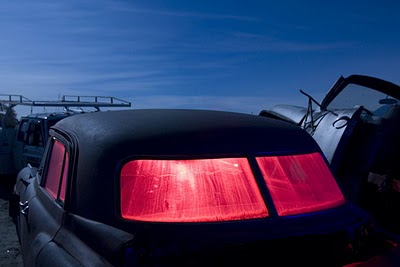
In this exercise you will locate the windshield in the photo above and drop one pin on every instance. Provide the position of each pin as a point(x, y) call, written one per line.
point(354, 95)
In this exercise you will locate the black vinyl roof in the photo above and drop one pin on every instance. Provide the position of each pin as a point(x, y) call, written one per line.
point(104, 140)
point(169, 131)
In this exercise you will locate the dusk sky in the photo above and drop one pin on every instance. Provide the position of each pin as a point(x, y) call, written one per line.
point(240, 56)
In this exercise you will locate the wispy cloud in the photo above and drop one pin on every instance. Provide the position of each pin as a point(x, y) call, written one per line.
point(245, 104)
point(257, 42)
point(196, 15)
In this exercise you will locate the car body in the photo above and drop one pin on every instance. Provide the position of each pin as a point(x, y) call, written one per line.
point(357, 126)
point(181, 187)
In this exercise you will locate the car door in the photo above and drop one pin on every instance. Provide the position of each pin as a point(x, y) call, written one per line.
point(42, 202)
point(22, 135)
point(34, 145)
point(334, 131)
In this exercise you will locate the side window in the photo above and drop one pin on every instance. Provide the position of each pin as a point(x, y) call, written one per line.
point(22, 131)
point(57, 170)
point(64, 178)
point(300, 183)
point(35, 133)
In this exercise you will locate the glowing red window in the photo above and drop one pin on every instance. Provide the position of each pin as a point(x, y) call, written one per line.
point(300, 183)
point(206, 190)
point(55, 167)
point(64, 178)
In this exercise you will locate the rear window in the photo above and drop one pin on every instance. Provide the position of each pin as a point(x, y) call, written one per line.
point(222, 189)
point(300, 183)
point(225, 189)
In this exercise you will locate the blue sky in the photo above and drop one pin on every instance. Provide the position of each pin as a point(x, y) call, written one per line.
point(240, 56)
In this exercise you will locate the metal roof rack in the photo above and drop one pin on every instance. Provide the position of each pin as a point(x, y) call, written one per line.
point(66, 101)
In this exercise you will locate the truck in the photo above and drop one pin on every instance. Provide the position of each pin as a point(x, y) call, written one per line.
point(22, 141)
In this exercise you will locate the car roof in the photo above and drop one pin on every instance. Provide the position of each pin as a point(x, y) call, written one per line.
point(48, 115)
point(104, 140)
point(183, 132)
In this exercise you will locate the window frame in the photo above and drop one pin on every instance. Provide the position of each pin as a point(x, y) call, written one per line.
point(22, 130)
point(63, 173)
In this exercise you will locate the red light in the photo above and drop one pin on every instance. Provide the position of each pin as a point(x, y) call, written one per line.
point(300, 183)
point(55, 168)
point(206, 190)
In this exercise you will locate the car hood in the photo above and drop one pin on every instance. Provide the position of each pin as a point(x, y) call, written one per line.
point(377, 84)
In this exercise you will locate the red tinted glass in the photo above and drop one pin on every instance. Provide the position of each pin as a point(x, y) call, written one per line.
point(64, 178)
point(55, 167)
point(300, 183)
point(206, 190)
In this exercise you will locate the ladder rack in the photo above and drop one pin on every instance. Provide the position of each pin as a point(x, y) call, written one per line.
point(66, 101)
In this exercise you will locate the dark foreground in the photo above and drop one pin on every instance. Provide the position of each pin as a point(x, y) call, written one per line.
point(10, 253)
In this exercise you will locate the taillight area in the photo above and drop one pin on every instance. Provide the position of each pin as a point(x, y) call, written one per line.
point(201, 190)
point(300, 183)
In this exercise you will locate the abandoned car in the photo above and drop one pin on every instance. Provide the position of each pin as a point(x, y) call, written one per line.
point(171, 187)
point(357, 126)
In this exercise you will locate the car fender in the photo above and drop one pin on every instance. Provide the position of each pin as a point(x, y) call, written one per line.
point(22, 181)
point(290, 113)
point(103, 244)
point(24, 178)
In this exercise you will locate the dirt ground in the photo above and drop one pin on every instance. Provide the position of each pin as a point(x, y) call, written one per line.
point(10, 252)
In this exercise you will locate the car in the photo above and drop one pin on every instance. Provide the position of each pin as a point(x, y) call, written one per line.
point(30, 136)
point(186, 187)
point(357, 126)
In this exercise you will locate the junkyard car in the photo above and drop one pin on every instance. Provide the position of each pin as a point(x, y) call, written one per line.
point(186, 188)
point(357, 125)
